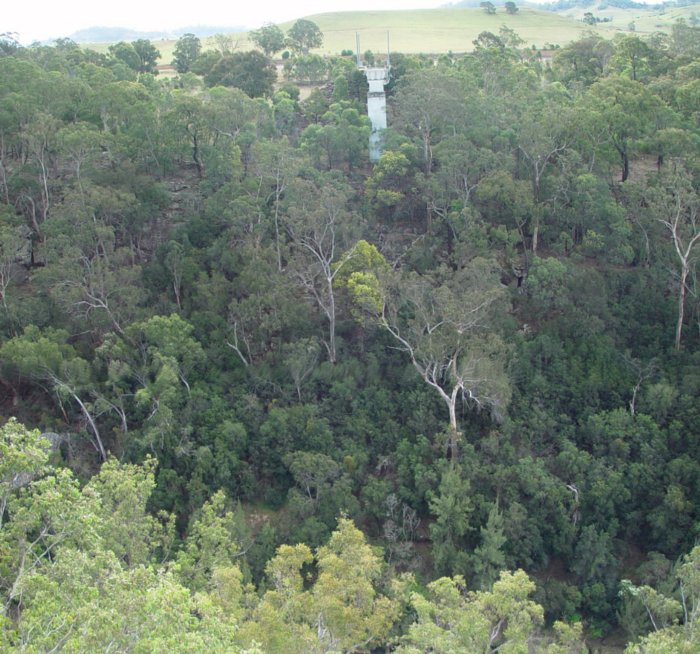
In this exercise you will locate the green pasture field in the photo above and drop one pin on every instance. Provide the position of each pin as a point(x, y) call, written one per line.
point(646, 21)
point(437, 31)
point(440, 30)
point(433, 31)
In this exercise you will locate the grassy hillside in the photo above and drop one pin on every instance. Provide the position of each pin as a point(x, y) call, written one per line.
point(445, 30)
point(439, 30)
point(423, 30)
point(645, 20)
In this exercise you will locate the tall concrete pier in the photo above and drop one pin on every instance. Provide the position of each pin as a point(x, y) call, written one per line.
point(376, 108)
point(377, 78)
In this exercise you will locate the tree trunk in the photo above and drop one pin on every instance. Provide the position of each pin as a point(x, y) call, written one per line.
point(681, 306)
point(454, 434)
point(278, 195)
point(99, 446)
point(196, 156)
point(452, 406)
point(535, 236)
point(427, 152)
point(625, 164)
point(331, 322)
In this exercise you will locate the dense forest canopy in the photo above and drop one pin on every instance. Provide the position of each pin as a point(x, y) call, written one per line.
point(260, 396)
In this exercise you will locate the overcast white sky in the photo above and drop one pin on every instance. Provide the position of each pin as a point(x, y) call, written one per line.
point(45, 19)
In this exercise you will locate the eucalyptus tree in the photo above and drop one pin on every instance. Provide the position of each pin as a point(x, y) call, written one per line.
point(140, 55)
point(450, 620)
point(275, 165)
point(428, 106)
point(39, 143)
point(252, 72)
point(90, 271)
point(339, 139)
point(303, 36)
point(634, 57)
point(209, 129)
point(186, 51)
point(674, 612)
point(445, 323)
point(627, 110)
point(14, 243)
point(25, 454)
point(583, 61)
point(188, 128)
point(150, 369)
point(391, 188)
point(320, 227)
point(265, 308)
point(446, 326)
point(9, 45)
point(269, 38)
point(49, 362)
point(462, 165)
point(62, 536)
point(347, 609)
point(674, 204)
point(543, 136)
point(236, 122)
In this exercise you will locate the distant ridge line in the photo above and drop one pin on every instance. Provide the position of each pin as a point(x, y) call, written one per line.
point(102, 34)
